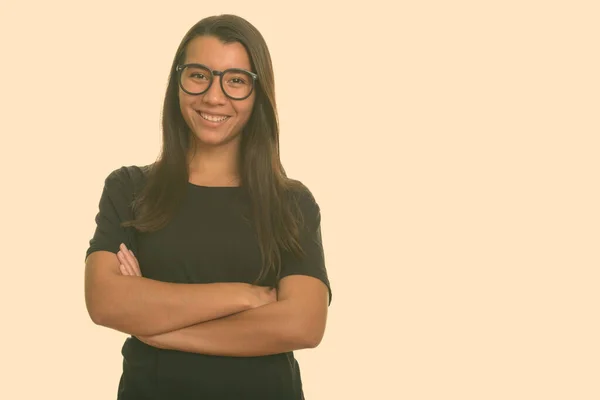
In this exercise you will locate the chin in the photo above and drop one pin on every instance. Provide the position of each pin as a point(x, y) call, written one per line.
point(214, 139)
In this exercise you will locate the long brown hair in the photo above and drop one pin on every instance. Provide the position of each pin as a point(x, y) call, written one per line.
point(275, 214)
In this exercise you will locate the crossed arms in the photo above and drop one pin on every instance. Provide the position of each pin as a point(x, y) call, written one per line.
point(227, 319)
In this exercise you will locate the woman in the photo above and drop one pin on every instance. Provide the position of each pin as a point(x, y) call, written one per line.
point(211, 258)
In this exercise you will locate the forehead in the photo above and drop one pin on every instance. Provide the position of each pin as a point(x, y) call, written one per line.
point(215, 54)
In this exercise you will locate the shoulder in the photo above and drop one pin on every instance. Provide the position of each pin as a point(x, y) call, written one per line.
point(300, 193)
point(128, 177)
point(306, 202)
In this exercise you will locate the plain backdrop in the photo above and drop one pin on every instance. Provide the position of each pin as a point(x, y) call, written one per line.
point(452, 147)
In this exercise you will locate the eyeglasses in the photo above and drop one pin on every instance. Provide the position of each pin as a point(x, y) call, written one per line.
point(196, 79)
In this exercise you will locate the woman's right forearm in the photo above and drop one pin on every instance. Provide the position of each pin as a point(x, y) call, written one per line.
point(142, 306)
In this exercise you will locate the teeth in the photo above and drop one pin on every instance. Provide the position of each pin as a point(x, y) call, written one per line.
point(213, 118)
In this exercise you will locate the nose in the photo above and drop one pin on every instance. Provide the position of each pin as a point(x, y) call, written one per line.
point(214, 95)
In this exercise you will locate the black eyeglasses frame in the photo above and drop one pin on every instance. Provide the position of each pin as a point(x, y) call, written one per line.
point(214, 73)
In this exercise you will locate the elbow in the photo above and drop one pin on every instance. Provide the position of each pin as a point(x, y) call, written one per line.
point(95, 304)
point(97, 314)
point(99, 320)
point(107, 318)
point(100, 314)
point(93, 309)
point(313, 339)
point(308, 329)
point(309, 335)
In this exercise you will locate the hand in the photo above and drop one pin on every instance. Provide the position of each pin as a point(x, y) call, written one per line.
point(261, 296)
point(129, 264)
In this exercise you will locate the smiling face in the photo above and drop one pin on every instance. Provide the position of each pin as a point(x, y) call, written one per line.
point(213, 118)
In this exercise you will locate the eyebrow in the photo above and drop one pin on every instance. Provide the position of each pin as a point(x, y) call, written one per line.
point(217, 69)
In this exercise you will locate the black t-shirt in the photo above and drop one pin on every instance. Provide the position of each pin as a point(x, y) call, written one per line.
point(208, 240)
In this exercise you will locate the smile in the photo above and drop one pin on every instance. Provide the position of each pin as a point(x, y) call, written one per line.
point(213, 118)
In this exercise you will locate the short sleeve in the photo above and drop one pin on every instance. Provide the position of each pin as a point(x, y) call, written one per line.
point(114, 208)
point(313, 262)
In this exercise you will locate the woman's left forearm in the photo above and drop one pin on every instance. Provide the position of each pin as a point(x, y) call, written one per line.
point(275, 328)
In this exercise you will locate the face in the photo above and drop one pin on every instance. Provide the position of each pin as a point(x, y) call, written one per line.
point(214, 118)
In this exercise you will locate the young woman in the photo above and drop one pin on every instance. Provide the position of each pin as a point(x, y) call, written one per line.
point(211, 258)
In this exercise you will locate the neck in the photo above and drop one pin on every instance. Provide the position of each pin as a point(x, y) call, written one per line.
point(214, 166)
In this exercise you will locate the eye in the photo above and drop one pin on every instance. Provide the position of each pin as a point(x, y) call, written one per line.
point(237, 79)
point(197, 75)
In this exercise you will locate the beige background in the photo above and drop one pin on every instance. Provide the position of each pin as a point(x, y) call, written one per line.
point(452, 146)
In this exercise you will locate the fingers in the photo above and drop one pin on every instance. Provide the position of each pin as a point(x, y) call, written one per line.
point(129, 264)
point(134, 263)
point(126, 268)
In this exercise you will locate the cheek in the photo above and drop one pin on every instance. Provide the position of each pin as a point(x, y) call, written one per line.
point(183, 101)
point(185, 107)
point(182, 105)
point(244, 110)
